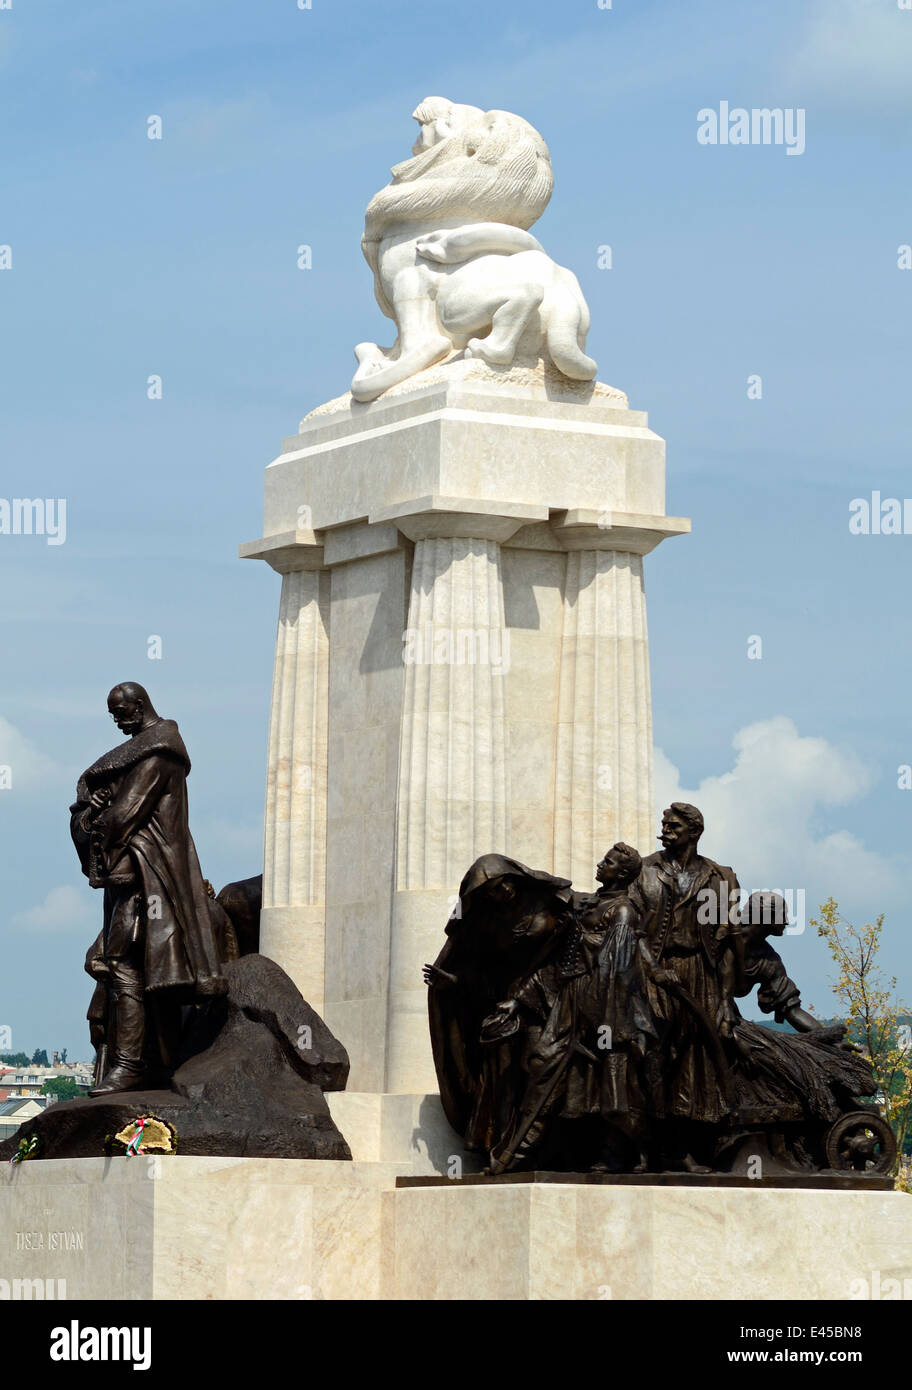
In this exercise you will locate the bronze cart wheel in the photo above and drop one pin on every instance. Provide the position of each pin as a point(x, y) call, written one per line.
point(861, 1142)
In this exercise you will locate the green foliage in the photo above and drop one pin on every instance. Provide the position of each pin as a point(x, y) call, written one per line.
point(63, 1087)
point(14, 1059)
point(875, 1017)
point(40, 1058)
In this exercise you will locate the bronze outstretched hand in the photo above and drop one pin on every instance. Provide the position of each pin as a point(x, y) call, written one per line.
point(435, 978)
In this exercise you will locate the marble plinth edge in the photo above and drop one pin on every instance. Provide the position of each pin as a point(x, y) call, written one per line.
point(830, 1182)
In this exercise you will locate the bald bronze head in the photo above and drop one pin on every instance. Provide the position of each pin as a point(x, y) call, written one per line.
point(130, 707)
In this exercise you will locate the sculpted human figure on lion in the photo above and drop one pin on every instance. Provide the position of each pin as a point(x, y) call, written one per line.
point(455, 266)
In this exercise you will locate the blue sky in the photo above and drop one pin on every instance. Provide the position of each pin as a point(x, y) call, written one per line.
point(177, 257)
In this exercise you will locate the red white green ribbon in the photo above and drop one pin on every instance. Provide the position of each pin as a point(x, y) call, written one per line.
point(134, 1147)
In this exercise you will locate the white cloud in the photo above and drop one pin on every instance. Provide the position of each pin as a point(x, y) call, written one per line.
point(64, 909)
point(856, 53)
point(29, 767)
point(761, 815)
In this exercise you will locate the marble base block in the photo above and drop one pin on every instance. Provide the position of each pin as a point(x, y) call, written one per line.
point(239, 1228)
point(567, 1241)
point(195, 1228)
point(408, 1130)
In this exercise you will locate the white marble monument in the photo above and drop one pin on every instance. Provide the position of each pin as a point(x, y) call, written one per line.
point(461, 666)
point(462, 660)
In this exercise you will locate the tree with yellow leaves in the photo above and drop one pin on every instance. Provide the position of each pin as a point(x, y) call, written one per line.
point(875, 1017)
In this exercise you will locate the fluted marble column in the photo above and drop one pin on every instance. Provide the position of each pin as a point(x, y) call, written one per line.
point(452, 803)
point(294, 883)
point(603, 771)
point(452, 782)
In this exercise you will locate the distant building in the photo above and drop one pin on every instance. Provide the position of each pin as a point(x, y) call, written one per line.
point(28, 1081)
point(17, 1109)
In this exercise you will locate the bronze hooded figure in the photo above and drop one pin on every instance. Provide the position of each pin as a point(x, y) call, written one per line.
point(502, 930)
point(159, 945)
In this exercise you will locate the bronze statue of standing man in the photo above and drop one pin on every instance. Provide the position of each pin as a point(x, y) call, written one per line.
point(689, 906)
point(158, 948)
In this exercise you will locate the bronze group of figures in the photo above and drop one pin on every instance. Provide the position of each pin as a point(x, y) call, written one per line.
point(571, 1031)
point(600, 1031)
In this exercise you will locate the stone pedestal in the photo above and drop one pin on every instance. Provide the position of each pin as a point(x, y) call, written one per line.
point(410, 1131)
point(461, 667)
point(572, 1241)
point(194, 1228)
point(252, 1228)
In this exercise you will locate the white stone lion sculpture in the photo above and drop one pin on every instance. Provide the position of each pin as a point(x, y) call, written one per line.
point(454, 264)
